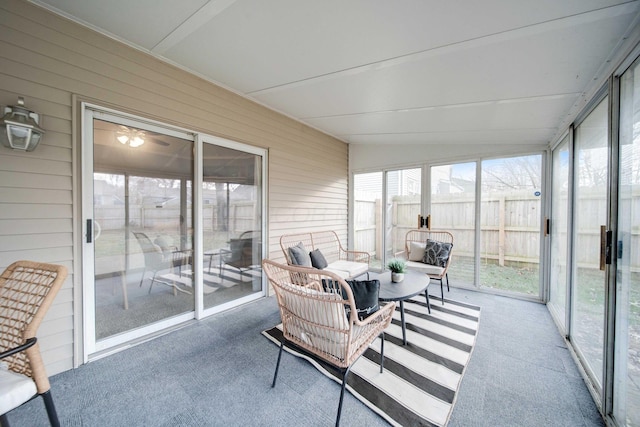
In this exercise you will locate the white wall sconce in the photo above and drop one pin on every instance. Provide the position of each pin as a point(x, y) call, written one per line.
point(19, 127)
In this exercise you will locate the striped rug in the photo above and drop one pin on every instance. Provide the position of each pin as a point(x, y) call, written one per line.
point(420, 380)
point(213, 281)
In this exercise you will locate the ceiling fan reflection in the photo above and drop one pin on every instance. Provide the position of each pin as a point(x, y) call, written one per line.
point(136, 137)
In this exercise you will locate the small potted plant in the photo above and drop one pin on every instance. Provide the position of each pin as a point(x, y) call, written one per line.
point(398, 267)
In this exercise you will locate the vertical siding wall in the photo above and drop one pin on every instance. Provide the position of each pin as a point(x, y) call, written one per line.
point(48, 60)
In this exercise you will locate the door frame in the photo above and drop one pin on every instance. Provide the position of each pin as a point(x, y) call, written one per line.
point(89, 349)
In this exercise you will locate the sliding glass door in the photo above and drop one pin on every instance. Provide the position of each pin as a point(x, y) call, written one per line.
point(495, 221)
point(151, 260)
point(139, 229)
point(453, 208)
point(558, 233)
point(403, 207)
point(367, 216)
point(626, 390)
point(386, 205)
point(232, 223)
point(590, 214)
point(511, 212)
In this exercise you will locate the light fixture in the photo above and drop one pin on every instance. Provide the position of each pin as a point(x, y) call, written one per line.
point(21, 130)
point(133, 137)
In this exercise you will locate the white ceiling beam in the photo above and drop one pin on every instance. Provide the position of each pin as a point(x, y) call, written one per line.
point(451, 106)
point(205, 14)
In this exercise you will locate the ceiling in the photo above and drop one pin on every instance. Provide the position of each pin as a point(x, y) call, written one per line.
point(387, 72)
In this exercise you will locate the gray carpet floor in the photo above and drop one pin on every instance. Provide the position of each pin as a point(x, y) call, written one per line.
point(218, 372)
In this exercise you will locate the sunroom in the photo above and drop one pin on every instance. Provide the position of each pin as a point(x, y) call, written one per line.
point(209, 129)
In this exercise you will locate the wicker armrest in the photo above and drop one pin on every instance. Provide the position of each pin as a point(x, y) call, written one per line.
point(357, 256)
point(29, 343)
point(375, 317)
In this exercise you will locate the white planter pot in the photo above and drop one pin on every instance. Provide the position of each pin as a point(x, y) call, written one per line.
point(397, 277)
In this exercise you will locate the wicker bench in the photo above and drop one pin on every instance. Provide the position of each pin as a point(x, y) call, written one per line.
point(344, 263)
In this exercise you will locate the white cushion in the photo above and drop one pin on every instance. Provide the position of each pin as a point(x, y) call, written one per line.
point(341, 273)
point(416, 251)
point(432, 270)
point(352, 268)
point(15, 389)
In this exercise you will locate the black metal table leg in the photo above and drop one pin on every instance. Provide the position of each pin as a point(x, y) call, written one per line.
point(404, 326)
point(426, 293)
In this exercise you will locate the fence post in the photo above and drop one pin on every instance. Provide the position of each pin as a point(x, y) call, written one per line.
point(501, 236)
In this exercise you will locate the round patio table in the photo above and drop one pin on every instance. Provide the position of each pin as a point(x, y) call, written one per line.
point(413, 284)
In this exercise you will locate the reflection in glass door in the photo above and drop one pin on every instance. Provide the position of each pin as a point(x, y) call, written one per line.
point(627, 352)
point(591, 155)
point(232, 224)
point(510, 214)
point(139, 229)
point(453, 209)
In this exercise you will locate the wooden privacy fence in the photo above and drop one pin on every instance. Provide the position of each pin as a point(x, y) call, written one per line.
point(241, 217)
point(510, 225)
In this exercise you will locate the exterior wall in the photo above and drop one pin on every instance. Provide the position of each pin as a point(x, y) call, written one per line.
point(55, 64)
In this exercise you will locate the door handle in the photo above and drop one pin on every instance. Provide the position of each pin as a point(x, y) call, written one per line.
point(90, 225)
point(609, 248)
point(89, 231)
point(606, 238)
point(424, 221)
point(547, 226)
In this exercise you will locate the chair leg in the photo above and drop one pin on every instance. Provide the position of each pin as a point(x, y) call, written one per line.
point(441, 291)
point(153, 278)
point(344, 384)
point(447, 276)
point(275, 375)
point(381, 351)
point(51, 409)
point(144, 270)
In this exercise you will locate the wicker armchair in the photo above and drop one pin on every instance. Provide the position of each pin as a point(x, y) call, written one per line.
point(27, 289)
point(312, 308)
point(156, 261)
point(415, 242)
point(243, 253)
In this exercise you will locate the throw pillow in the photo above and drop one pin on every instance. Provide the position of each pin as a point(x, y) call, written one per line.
point(365, 293)
point(437, 253)
point(317, 259)
point(416, 251)
point(299, 255)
